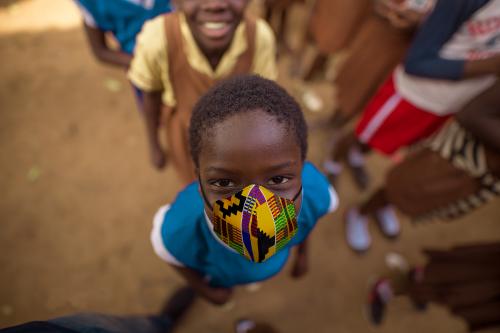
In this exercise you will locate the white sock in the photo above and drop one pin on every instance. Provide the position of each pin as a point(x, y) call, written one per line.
point(333, 168)
point(355, 157)
point(244, 326)
point(388, 220)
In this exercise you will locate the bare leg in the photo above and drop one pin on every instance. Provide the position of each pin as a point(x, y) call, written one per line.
point(377, 201)
point(395, 282)
point(317, 64)
point(352, 151)
point(379, 207)
point(283, 47)
point(338, 119)
point(344, 144)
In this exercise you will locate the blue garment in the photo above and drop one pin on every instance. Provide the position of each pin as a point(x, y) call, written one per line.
point(423, 56)
point(123, 18)
point(139, 97)
point(187, 235)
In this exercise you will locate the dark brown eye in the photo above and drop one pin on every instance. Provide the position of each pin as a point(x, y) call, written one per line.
point(222, 183)
point(278, 180)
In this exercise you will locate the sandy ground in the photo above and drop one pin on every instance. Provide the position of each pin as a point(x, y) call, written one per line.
point(78, 196)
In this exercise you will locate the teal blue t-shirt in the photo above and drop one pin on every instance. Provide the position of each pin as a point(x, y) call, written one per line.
point(182, 234)
point(123, 18)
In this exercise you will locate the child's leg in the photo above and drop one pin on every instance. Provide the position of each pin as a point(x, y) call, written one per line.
point(349, 149)
point(139, 98)
point(356, 162)
point(379, 206)
point(396, 282)
point(345, 143)
point(317, 65)
point(377, 201)
point(356, 219)
point(280, 33)
point(333, 165)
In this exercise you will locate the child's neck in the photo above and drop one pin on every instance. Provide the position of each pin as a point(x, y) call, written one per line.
point(214, 59)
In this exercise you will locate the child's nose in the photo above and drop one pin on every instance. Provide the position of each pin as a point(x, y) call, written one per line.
point(214, 5)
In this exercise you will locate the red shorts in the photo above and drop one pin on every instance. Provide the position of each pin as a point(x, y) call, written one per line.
point(389, 122)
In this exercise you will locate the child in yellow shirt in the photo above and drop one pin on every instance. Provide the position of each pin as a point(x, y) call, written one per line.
point(180, 55)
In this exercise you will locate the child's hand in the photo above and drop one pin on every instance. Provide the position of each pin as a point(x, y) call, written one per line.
point(487, 66)
point(405, 19)
point(300, 266)
point(218, 296)
point(158, 157)
point(215, 295)
point(496, 61)
point(398, 14)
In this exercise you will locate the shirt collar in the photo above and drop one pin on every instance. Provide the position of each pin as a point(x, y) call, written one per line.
point(197, 59)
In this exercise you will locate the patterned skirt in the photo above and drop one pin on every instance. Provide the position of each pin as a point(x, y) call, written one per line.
point(447, 178)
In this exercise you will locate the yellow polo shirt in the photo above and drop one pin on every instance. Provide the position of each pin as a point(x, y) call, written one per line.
point(149, 68)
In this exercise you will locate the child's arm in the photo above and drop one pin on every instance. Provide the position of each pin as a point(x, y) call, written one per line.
point(146, 73)
point(301, 263)
point(423, 57)
point(482, 117)
point(101, 50)
point(482, 67)
point(152, 113)
point(214, 295)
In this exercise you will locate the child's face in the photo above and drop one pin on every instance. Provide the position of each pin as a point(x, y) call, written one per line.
point(213, 22)
point(250, 148)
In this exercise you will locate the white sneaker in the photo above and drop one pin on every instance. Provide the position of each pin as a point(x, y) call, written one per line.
point(357, 234)
point(388, 221)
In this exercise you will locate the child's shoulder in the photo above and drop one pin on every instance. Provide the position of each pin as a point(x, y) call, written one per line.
point(178, 224)
point(319, 195)
point(188, 204)
point(312, 177)
point(264, 33)
point(153, 31)
point(263, 28)
point(183, 215)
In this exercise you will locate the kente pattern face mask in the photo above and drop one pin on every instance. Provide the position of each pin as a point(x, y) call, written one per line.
point(255, 222)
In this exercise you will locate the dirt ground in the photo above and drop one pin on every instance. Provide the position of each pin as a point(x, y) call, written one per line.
point(78, 196)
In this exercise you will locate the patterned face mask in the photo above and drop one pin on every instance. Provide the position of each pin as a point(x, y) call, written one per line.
point(255, 222)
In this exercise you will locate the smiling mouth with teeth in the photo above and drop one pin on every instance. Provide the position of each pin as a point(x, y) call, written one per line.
point(215, 25)
point(215, 29)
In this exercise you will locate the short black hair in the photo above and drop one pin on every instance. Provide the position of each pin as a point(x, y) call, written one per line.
point(242, 94)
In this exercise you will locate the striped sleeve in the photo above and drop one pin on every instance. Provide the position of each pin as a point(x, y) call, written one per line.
point(423, 56)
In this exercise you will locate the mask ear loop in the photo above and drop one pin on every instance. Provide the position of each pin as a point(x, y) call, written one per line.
point(204, 195)
point(297, 195)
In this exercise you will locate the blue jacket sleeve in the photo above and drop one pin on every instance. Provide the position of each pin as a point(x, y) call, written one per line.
point(98, 11)
point(423, 57)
